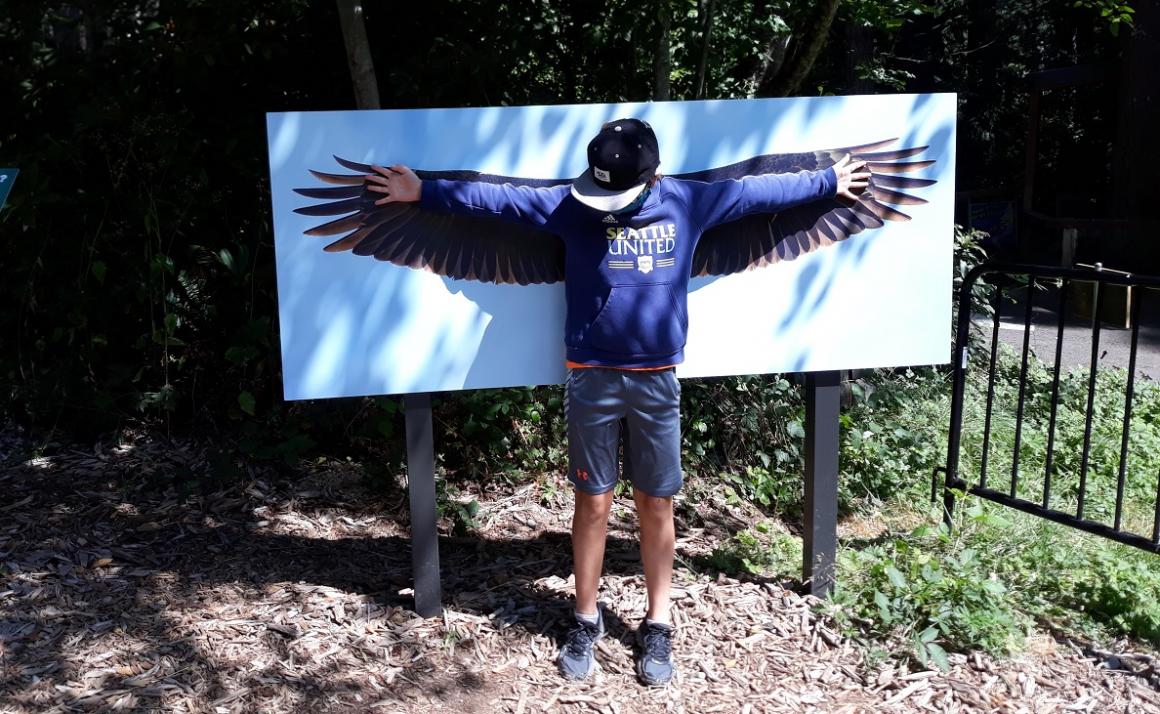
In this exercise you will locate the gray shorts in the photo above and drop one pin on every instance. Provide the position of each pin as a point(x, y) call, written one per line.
point(597, 401)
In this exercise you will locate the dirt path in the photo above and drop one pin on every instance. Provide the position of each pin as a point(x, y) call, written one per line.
point(289, 595)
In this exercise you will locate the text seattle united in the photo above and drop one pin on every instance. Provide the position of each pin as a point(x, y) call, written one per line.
point(650, 240)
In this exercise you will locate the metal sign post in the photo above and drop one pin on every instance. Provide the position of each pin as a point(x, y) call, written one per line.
point(820, 536)
point(421, 487)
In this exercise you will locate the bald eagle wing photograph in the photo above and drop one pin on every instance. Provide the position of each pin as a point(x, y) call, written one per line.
point(484, 249)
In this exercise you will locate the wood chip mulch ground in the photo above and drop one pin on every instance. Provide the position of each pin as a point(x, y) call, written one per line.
point(290, 594)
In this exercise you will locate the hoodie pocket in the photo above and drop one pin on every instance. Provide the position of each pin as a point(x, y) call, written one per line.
point(639, 320)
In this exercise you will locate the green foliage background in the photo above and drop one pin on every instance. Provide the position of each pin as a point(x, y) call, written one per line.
point(139, 257)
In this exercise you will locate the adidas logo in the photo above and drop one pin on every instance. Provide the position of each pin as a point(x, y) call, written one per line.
point(610, 218)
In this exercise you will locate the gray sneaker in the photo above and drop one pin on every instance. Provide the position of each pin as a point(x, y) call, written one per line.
point(655, 666)
point(577, 659)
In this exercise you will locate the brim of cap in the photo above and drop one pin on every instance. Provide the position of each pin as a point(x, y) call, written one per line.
point(590, 193)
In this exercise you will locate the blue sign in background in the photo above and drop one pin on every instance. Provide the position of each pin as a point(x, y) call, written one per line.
point(352, 325)
point(7, 178)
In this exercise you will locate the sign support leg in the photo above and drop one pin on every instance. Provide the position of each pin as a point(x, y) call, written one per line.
point(421, 488)
point(820, 546)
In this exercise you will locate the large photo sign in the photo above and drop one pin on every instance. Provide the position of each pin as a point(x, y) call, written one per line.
point(399, 299)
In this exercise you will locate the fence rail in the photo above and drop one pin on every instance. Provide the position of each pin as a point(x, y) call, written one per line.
point(1028, 277)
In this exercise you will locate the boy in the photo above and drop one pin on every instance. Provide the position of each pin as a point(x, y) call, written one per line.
point(629, 236)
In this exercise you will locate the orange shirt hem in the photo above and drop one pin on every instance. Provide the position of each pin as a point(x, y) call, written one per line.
point(579, 365)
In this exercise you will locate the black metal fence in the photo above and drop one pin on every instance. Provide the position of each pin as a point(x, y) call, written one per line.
point(1012, 279)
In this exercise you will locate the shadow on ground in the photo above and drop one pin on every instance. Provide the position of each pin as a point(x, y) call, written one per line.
point(92, 556)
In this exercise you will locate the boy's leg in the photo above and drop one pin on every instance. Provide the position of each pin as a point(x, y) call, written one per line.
point(652, 449)
point(577, 656)
point(593, 406)
point(657, 543)
point(589, 529)
point(653, 461)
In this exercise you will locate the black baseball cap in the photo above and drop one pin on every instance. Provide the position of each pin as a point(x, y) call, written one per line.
point(622, 159)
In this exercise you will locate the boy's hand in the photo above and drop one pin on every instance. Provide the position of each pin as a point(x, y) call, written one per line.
point(852, 179)
point(396, 183)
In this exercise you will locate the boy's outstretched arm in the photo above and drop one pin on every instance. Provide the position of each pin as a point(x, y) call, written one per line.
point(727, 200)
point(398, 183)
point(523, 204)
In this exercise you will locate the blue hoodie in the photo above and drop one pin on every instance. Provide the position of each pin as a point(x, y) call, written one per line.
point(626, 276)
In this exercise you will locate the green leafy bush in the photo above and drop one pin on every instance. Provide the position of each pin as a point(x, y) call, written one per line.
point(1121, 593)
point(927, 592)
point(761, 550)
point(502, 432)
point(1087, 583)
point(894, 434)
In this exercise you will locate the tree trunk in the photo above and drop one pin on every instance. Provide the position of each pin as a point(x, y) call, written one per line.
point(358, 54)
point(859, 53)
point(978, 62)
point(1132, 185)
point(706, 11)
point(807, 45)
point(662, 59)
point(771, 63)
point(68, 35)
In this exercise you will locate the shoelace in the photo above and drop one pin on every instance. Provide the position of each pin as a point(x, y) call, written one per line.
point(658, 643)
point(581, 637)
